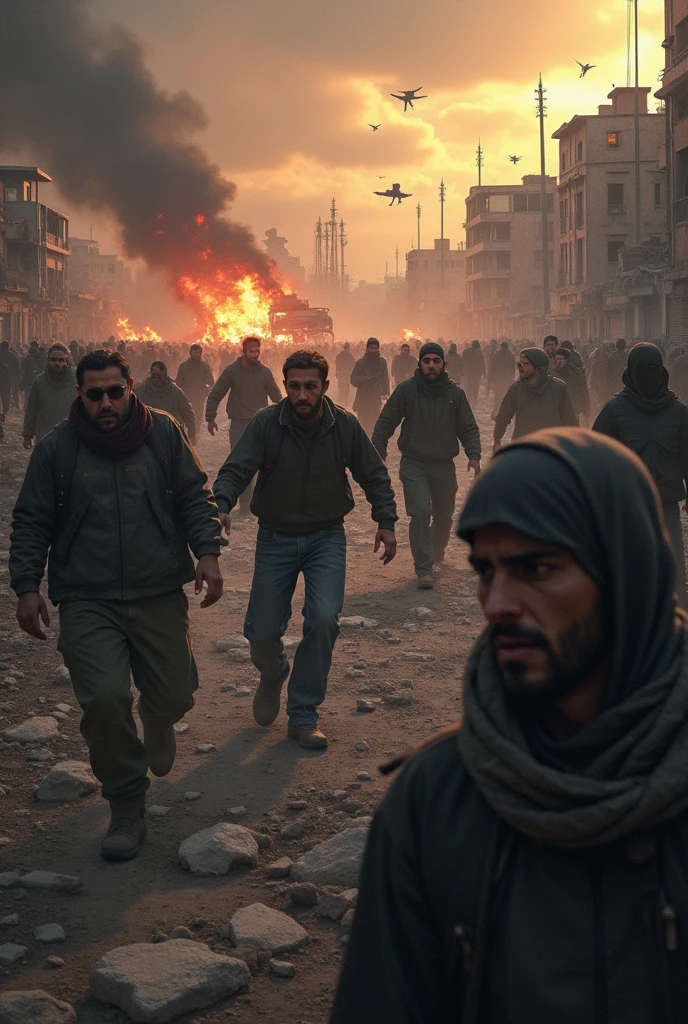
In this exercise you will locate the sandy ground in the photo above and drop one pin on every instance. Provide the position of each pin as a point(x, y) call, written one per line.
point(260, 769)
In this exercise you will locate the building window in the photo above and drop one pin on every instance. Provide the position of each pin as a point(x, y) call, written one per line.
point(11, 195)
point(498, 204)
point(563, 161)
point(502, 232)
point(527, 202)
point(579, 151)
point(658, 193)
point(579, 209)
point(580, 273)
point(613, 250)
point(615, 198)
point(562, 217)
point(613, 140)
point(503, 261)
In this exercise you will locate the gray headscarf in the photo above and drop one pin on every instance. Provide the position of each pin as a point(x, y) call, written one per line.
point(628, 769)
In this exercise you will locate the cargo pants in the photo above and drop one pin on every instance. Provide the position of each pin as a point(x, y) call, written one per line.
point(103, 643)
point(429, 495)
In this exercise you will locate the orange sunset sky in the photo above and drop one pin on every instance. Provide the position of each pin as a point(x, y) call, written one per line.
point(289, 87)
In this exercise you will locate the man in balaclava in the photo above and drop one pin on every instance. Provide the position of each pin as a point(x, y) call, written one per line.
point(530, 865)
point(159, 391)
point(50, 396)
point(650, 420)
point(535, 401)
point(370, 377)
point(435, 416)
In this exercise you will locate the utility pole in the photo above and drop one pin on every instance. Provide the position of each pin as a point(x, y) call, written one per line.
point(443, 192)
point(334, 255)
point(479, 162)
point(343, 242)
point(541, 115)
point(637, 129)
point(418, 216)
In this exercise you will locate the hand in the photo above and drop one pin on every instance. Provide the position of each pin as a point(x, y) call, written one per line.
point(31, 609)
point(474, 464)
point(226, 522)
point(388, 540)
point(496, 447)
point(28, 443)
point(212, 427)
point(208, 572)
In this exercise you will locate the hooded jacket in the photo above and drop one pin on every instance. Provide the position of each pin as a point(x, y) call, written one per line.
point(510, 877)
point(370, 377)
point(48, 402)
point(535, 407)
point(435, 418)
point(168, 398)
point(194, 377)
point(655, 428)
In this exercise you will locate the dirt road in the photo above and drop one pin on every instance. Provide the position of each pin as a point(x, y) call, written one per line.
point(259, 769)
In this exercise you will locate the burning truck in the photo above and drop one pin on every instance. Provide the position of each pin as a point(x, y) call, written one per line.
point(293, 319)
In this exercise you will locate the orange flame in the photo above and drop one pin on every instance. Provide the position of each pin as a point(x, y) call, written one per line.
point(227, 309)
point(126, 332)
point(408, 335)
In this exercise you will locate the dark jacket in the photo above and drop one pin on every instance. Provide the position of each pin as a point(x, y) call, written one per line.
point(473, 363)
point(168, 398)
point(615, 366)
point(502, 367)
point(434, 418)
point(403, 367)
point(660, 438)
point(32, 364)
point(450, 900)
point(306, 489)
point(534, 408)
point(454, 364)
point(371, 380)
point(120, 536)
point(578, 388)
point(9, 359)
point(194, 377)
point(249, 390)
point(344, 363)
point(48, 403)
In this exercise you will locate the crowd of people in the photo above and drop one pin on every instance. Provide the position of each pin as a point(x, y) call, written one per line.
point(564, 790)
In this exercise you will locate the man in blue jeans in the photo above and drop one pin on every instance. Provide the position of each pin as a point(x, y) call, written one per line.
point(302, 449)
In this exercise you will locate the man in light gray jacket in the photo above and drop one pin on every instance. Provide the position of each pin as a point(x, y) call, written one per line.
point(51, 396)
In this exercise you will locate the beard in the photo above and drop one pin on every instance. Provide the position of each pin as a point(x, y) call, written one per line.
point(582, 646)
point(311, 413)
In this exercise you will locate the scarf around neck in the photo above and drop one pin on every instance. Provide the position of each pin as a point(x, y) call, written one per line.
point(125, 439)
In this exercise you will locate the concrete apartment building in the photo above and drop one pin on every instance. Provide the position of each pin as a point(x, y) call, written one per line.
point(436, 280)
point(504, 258)
point(674, 159)
point(100, 287)
point(599, 292)
point(35, 241)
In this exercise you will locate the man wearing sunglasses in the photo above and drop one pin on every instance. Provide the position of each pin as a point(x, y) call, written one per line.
point(116, 496)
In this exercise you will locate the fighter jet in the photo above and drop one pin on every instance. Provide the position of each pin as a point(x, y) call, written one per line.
point(395, 193)
point(375, 127)
point(515, 159)
point(408, 96)
point(584, 67)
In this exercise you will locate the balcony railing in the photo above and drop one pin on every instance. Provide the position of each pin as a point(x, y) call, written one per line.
point(678, 59)
point(681, 210)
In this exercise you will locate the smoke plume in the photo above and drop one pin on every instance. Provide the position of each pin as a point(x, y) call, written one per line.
point(86, 102)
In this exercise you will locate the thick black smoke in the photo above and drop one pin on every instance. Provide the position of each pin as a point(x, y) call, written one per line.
point(85, 101)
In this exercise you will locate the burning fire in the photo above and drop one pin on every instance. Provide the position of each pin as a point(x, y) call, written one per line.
point(229, 305)
point(128, 333)
point(409, 335)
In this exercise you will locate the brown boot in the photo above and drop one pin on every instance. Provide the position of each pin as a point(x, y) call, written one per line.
point(309, 736)
point(425, 583)
point(160, 743)
point(267, 699)
point(127, 829)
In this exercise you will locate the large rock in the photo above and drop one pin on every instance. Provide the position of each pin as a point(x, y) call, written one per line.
point(216, 850)
point(52, 881)
point(267, 929)
point(36, 1007)
point(62, 676)
point(335, 862)
point(33, 730)
point(10, 952)
point(68, 780)
point(158, 982)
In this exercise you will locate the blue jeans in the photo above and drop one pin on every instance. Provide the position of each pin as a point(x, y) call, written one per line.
point(280, 557)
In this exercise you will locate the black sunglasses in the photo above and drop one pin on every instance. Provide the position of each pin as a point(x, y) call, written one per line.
point(114, 393)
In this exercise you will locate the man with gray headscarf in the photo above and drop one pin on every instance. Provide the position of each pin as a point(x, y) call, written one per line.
point(650, 420)
point(531, 865)
point(535, 401)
